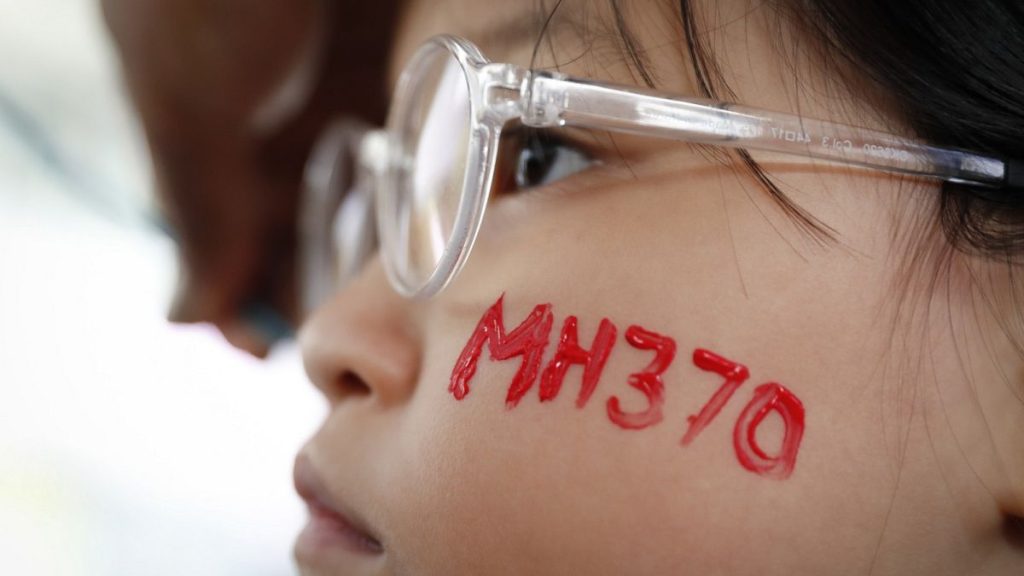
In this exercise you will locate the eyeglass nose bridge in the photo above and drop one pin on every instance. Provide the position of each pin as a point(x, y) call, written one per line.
point(354, 232)
point(327, 248)
point(372, 157)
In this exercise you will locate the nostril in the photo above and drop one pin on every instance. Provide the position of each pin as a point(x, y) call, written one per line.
point(350, 384)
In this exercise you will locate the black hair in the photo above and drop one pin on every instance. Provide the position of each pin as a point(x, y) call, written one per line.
point(952, 71)
point(955, 73)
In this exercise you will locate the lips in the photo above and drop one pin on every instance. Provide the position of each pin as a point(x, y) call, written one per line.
point(330, 527)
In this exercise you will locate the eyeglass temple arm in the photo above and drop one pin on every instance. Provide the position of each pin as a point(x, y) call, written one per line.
point(553, 100)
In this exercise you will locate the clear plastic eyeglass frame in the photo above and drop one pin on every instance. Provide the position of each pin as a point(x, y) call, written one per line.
point(500, 93)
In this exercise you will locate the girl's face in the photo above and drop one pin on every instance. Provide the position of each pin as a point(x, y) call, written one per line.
point(867, 434)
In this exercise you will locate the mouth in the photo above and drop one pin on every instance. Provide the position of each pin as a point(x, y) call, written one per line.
point(331, 527)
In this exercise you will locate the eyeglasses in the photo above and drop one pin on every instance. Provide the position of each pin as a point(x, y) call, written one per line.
point(430, 171)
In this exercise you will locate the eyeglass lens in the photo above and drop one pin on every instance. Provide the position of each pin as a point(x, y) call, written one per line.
point(433, 135)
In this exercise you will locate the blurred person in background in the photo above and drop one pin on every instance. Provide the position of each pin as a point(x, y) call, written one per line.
point(771, 364)
point(232, 96)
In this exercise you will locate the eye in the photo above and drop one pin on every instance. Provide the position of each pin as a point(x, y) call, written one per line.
point(532, 158)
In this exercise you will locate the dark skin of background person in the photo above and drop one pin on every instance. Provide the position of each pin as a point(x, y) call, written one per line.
point(228, 145)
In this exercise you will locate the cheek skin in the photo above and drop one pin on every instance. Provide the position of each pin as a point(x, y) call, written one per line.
point(545, 483)
point(549, 484)
point(546, 476)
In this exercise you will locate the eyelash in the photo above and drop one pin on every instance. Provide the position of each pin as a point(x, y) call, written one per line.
point(529, 157)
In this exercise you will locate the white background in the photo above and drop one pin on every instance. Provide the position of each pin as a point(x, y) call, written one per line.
point(127, 446)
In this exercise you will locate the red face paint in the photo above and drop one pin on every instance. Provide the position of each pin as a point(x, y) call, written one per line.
point(648, 381)
point(768, 397)
point(735, 375)
point(527, 340)
point(569, 352)
point(530, 338)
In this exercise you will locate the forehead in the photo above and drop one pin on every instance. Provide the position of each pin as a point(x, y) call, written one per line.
point(581, 36)
point(502, 30)
point(476, 20)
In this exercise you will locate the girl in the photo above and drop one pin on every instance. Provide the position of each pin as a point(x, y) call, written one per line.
point(659, 353)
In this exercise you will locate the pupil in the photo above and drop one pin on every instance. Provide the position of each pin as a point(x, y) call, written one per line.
point(534, 163)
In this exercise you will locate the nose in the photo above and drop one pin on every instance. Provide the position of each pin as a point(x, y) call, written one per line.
point(363, 342)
